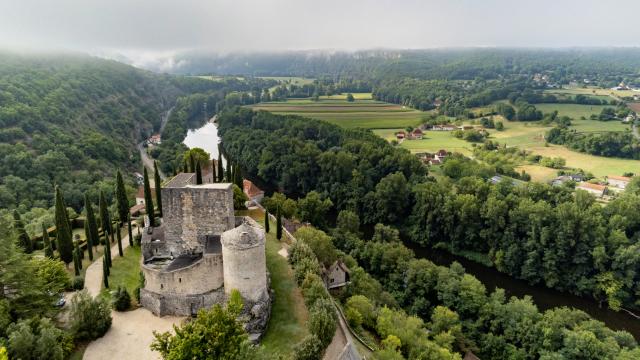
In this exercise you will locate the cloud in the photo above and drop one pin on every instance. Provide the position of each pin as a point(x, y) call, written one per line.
point(161, 26)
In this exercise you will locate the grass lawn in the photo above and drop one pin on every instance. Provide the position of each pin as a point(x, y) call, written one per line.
point(362, 113)
point(289, 316)
point(598, 165)
point(343, 96)
point(432, 141)
point(295, 80)
point(590, 90)
point(538, 173)
point(574, 111)
point(125, 272)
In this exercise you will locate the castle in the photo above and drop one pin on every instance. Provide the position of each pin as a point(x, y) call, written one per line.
point(201, 252)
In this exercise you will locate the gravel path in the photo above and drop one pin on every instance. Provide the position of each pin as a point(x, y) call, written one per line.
point(131, 332)
point(93, 275)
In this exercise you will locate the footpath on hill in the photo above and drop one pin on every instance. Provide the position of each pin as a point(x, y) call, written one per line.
point(131, 332)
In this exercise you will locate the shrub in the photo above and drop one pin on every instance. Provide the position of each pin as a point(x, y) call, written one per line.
point(364, 307)
point(78, 283)
point(90, 318)
point(304, 266)
point(313, 289)
point(298, 251)
point(323, 321)
point(121, 299)
point(38, 339)
point(353, 317)
point(310, 348)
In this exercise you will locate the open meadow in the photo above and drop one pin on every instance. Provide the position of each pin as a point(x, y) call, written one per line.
point(594, 91)
point(574, 111)
point(363, 113)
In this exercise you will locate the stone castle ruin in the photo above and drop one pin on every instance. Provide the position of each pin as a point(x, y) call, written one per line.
point(201, 252)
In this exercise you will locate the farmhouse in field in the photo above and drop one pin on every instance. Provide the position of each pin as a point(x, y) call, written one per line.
point(400, 135)
point(337, 275)
point(595, 189)
point(618, 182)
point(416, 134)
point(201, 252)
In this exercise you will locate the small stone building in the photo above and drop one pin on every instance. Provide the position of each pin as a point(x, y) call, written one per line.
point(201, 252)
point(337, 275)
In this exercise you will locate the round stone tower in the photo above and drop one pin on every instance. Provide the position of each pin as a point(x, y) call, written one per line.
point(244, 261)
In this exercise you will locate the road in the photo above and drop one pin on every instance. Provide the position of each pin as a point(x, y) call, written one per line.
point(147, 161)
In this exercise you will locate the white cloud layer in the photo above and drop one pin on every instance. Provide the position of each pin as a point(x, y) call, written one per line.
point(162, 26)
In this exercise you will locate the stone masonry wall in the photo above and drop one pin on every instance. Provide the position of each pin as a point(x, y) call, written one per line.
point(195, 211)
point(203, 276)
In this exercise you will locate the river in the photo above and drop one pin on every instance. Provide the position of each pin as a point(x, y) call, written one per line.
point(207, 138)
point(542, 296)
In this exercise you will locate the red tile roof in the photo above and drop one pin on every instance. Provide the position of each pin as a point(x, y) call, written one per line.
point(250, 189)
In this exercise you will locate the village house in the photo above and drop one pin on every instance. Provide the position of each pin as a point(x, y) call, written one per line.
point(618, 182)
point(254, 193)
point(445, 127)
point(154, 139)
point(337, 275)
point(564, 178)
point(465, 127)
point(416, 134)
point(139, 178)
point(441, 155)
point(595, 189)
point(400, 135)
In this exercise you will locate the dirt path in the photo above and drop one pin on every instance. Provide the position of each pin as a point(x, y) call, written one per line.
point(93, 275)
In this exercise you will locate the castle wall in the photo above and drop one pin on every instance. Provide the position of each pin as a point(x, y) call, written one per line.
point(193, 212)
point(179, 304)
point(246, 271)
point(200, 277)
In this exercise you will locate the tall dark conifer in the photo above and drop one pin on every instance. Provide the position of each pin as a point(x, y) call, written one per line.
point(148, 203)
point(158, 184)
point(105, 273)
point(105, 218)
point(76, 260)
point(130, 230)
point(91, 220)
point(278, 224)
point(220, 167)
point(198, 174)
point(63, 229)
point(214, 177)
point(228, 177)
point(48, 249)
point(122, 203)
point(192, 163)
point(119, 237)
point(87, 233)
point(238, 176)
point(24, 241)
point(266, 221)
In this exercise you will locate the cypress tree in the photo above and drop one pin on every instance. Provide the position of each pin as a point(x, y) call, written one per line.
point(198, 174)
point(157, 181)
point(147, 199)
point(105, 274)
point(130, 231)
point(24, 241)
point(278, 224)
point(80, 255)
point(122, 203)
point(119, 237)
point(76, 267)
point(105, 219)
point(107, 253)
point(48, 249)
point(91, 220)
point(87, 233)
point(228, 177)
point(192, 163)
point(214, 177)
point(220, 167)
point(266, 220)
point(185, 168)
point(238, 176)
point(63, 229)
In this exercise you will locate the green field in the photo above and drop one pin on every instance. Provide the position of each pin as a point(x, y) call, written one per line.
point(590, 90)
point(289, 79)
point(363, 113)
point(574, 111)
point(432, 141)
point(125, 272)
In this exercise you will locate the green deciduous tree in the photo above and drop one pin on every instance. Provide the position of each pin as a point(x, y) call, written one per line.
point(214, 334)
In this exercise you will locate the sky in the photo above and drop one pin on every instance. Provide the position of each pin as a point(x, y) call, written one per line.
point(149, 29)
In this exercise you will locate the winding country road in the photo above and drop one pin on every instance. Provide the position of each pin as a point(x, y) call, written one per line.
point(147, 161)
